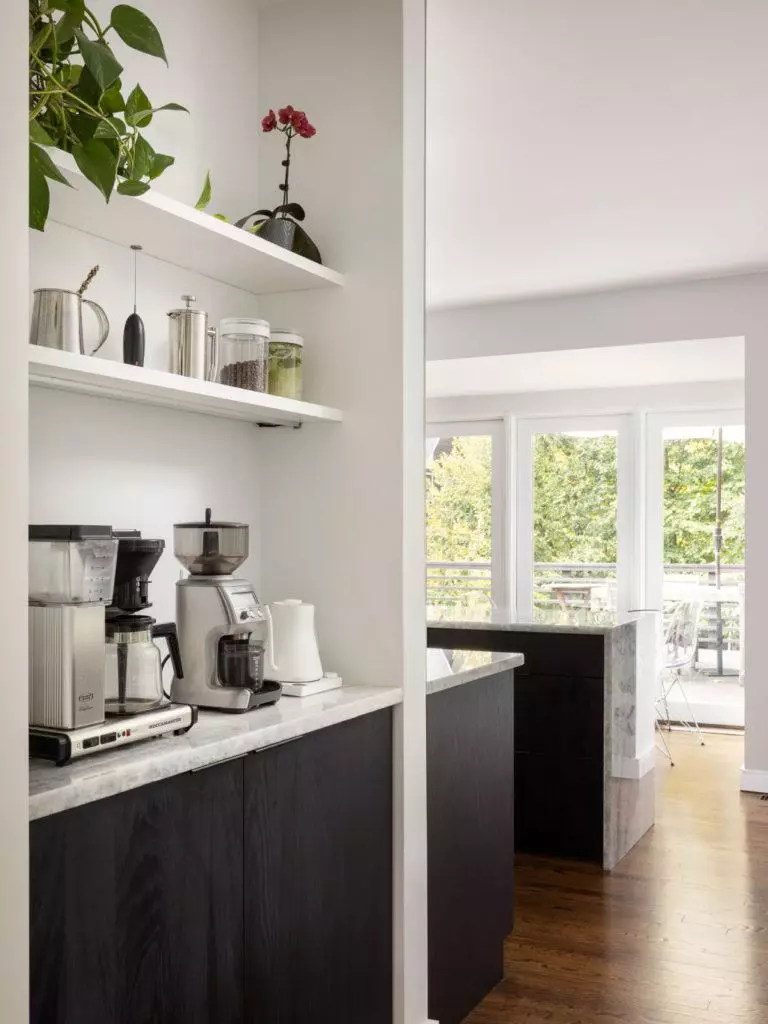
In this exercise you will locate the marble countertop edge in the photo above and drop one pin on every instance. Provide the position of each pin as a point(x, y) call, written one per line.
point(215, 739)
point(498, 663)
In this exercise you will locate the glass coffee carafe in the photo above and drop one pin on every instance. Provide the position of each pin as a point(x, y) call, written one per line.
point(133, 679)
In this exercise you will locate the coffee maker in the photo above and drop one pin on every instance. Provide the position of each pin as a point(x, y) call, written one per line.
point(134, 667)
point(71, 576)
point(72, 571)
point(222, 626)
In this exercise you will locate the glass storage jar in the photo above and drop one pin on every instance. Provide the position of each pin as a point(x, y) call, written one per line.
point(243, 343)
point(286, 351)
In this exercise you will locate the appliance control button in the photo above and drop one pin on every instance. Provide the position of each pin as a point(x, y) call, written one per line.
point(244, 615)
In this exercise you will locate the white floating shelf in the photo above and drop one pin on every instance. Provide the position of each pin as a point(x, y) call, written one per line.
point(179, 234)
point(90, 375)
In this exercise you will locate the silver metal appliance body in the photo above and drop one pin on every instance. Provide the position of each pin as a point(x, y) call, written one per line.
point(208, 608)
point(193, 344)
point(62, 745)
point(66, 665)
point(57, 320)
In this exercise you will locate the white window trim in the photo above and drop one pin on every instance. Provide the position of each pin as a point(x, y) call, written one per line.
point(626, 532)
point(501, 534)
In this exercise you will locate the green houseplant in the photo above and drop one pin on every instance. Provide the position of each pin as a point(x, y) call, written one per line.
point(77, 102)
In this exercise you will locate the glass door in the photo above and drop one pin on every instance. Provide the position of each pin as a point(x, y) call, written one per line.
point(574, 519)
point(465, 487)
point(696, 553)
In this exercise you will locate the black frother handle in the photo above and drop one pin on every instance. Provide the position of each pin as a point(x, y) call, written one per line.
point(168, 631)
point(133, 341)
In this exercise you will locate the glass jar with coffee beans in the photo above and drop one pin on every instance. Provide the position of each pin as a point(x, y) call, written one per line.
point(243, 353)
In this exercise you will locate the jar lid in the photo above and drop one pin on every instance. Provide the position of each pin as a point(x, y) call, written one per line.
point(244, 325)
point(286, 337)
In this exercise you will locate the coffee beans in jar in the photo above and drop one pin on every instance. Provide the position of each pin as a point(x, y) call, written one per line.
point(243, 353)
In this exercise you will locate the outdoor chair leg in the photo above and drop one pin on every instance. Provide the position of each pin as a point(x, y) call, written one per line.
point(664, 748)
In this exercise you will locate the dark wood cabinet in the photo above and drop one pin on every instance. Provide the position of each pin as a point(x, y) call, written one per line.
point(318, 877)
point(257, 890)
point(470, 815)
point(136, 906)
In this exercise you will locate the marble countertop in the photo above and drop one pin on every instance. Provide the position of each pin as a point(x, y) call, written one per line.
point(562, 622)
point(446, 669)
point(216, 737)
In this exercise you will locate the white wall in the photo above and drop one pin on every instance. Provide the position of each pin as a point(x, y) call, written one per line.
point(211, 49)
point(14, 929)
point(96, 460)
point(717, 308)
point(344, 511)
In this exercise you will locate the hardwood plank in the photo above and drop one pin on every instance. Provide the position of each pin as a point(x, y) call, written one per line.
point(676, 934)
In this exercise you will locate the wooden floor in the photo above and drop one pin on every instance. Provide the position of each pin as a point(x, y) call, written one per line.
point(676, 934)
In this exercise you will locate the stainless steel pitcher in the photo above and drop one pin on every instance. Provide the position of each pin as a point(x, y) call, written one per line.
point(57, 320)
point(193, 344)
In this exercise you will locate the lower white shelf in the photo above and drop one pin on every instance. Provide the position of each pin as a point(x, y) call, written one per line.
point(90, 375)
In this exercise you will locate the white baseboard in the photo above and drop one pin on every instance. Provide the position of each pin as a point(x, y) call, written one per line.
point(754, 781)
point(634, 767)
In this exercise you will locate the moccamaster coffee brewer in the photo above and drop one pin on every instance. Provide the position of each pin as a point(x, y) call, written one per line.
point(73, 666)
point(222, 626)
point(134, 680)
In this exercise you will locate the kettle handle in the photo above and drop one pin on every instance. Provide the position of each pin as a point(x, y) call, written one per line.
point(101, 316)
point(271, 669)
point(167, 630)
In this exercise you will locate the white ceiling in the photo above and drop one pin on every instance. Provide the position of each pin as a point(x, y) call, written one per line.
point(673, 362)
point(580, 144)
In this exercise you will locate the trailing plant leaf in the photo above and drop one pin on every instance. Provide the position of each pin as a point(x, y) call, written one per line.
point(137, 31)
point(291, 210)
point(39, 197)
point(205, 194)
point(38, 134)
point(138, 109)
point(99, 60)
point(221, 216)
point(38, 156)
point(77, 103)
point(143, 155)
point(132, 187)
point(98, 162)
point(112, 99)
point(160, 161)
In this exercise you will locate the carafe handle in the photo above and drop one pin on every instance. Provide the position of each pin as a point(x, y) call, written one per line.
point(101, 316)
point(213, 353)
point(167, 630)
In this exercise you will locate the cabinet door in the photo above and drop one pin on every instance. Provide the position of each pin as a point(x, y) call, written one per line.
point(470, 818)
point(318, 877)
point(136, 906)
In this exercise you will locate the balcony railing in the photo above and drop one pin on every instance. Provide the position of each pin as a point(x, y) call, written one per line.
point(462, 590)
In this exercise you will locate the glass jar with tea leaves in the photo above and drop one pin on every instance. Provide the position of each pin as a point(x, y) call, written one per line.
point(243, 344)
point(286, 351)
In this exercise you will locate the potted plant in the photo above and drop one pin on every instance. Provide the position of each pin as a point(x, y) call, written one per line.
point(281, 225)
point(77, 101)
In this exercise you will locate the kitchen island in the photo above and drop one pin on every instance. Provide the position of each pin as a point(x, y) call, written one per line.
point(584, 742)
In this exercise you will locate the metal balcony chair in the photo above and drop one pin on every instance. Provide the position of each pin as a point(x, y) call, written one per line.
point(680, 643)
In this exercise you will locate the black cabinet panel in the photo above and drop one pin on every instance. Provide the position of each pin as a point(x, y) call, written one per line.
point(559, 806)
point(318, 877)
point(136, 906)
point(549, 654)
point(470, 814)
point(559, 715)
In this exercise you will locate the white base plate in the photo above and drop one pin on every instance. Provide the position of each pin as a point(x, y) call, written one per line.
point(330, 681)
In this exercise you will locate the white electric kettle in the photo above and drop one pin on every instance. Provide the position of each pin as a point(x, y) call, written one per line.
point(291, 655)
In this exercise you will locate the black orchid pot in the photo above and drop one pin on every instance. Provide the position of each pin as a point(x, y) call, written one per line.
point(281, 227)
